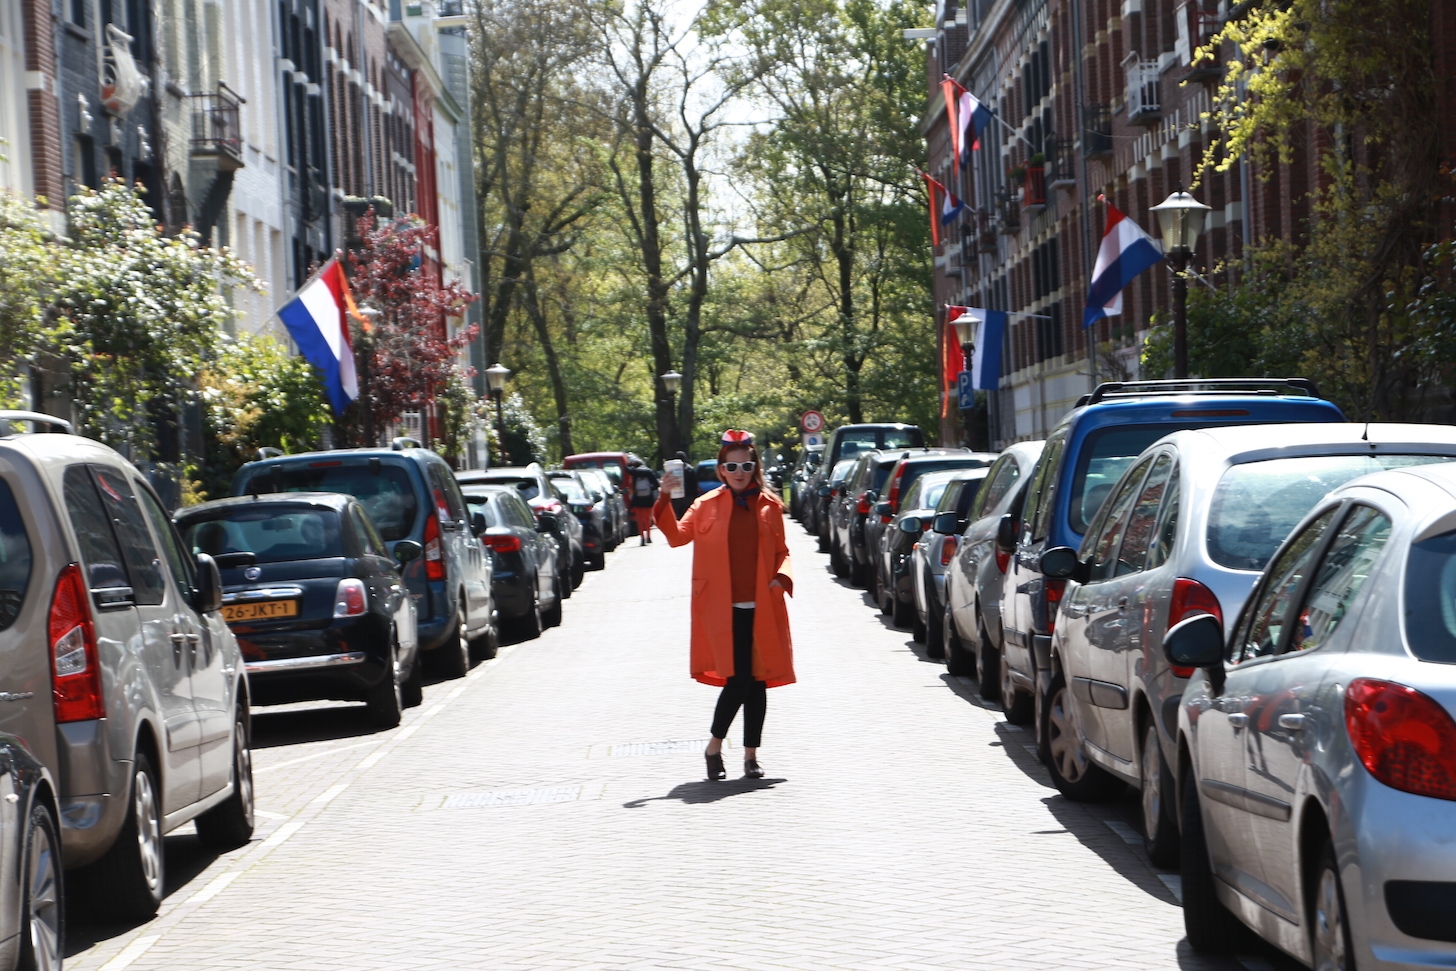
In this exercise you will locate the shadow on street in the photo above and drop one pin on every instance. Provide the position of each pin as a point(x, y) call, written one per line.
point(696, 793)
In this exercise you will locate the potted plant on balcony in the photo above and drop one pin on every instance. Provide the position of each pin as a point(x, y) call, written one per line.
point(1034, 186)
point(1016, 175)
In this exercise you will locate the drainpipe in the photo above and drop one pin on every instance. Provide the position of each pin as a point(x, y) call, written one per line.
point(1087, 263)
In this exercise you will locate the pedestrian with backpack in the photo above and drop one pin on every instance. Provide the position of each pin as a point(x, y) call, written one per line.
point(644, 494)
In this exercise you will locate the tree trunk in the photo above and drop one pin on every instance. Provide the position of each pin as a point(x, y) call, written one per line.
point(553, 364)
point(652, 259)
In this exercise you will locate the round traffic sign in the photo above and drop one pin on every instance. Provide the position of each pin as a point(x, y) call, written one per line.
point(811, 422)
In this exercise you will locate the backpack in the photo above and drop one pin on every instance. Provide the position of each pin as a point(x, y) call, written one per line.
point(642, 485)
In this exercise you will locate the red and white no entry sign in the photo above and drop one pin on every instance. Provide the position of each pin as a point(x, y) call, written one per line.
point(811, 422)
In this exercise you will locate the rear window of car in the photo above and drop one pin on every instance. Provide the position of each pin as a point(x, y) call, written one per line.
point(1430, 599)
point(384, 490)
point(914, 470)
point(1106, 454)
point(571, 489)
point(526, 486)
point(273, 534)
point(1256, 504)
point(15, 558)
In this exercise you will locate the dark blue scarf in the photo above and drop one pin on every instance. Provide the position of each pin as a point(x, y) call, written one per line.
point(741, 498)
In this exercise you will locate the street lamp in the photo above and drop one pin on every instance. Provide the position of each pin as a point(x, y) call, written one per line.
point(965, 328)
point(495, 380)
point(671, 381)
point(1181, 218)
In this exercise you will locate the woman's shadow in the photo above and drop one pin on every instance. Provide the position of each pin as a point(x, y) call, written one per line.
point(696, 793)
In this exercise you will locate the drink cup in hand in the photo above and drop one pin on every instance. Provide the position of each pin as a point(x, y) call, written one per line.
point(673, 472)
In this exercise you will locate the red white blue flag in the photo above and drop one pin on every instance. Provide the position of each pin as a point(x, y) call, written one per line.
point(317, 321)
point(1126, 251)
point(966, 116)
point(944, 206)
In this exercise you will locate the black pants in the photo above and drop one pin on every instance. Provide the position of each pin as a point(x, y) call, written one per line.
point(741, 689)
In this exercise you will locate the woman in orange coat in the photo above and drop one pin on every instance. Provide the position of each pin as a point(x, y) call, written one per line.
point(741, 574)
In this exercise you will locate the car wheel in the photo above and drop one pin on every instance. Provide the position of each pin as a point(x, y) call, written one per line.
point(529, 627)
point(1330, 924)
point(1160, 829)
point(229, 824)
point(568, 571)
point(487, 645)
point(454, 654)
point(882, 601)
point(957, 658)
point(857, 573)
point(902, 614)
point(132, 873)
point(552, 617)
point(413, 689)
point(934, 631)
point(1210, 927)
point(43, 915)
point(578, 573)
point(823, 535)
point(1074, 775)
point(599, 561)
point(988, 663)
point(836, 561)
point(1018, 705)
point(385, 701)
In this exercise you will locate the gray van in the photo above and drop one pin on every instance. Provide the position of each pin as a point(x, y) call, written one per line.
point(409, 493)
point(117, 667)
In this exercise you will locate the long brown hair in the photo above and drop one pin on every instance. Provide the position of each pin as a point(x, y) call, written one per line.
point(758, 478)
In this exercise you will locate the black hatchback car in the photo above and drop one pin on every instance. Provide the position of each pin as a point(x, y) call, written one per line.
point(316, 602)
point(527, 587)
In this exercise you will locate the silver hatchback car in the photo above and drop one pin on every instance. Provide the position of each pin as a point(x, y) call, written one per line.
point(1317, 745)
point(120, 671)
point(1186, 530)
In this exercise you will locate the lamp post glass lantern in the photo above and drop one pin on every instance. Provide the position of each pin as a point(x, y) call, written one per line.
point(1181, 218)
point(671, 382)
point(495, 380)
point(965, 331)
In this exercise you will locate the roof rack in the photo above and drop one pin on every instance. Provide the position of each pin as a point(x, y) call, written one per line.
point(1181, 386)
point(34, 416)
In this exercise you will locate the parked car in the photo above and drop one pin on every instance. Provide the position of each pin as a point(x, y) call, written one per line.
point(844, 442)
point(410, 494)
point(936, 548)
point(832, 486)
point(917, 511)
point(591, 510)
point(534, 486)
point(1083, 458)
point(848, 510)
point(314, 598)
point(525, 581)
point(974, 577)
point(804, 466)
point(708, 476)
point(613, 501)
point(120, 676)
point(614, 464)
point(893, 590)
point(1316, 743)
point(1186, 531)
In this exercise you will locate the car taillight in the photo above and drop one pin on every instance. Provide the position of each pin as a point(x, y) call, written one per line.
point(504, 543)
point(1189, 599)
point(1405, 738)
point(434, 551)
point(350, 599)
point(893, 496)
point(948, 550)
point(1054, 590)
point(1003, 559)
point(76, 684)
point(550, 505)
point(863, 506)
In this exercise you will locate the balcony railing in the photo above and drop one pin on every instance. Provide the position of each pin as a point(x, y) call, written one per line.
point(1096, 131)
point(216, 128)
point(1009, 223)
point(1144, 92)
point(1060, 173)
point(1033, 190)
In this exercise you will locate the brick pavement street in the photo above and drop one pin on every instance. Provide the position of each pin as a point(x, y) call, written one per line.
point(549, 812)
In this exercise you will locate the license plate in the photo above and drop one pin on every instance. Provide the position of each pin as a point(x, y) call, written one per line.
point(262, 610)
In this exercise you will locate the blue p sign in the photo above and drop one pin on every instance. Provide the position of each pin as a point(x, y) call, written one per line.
point(966, 395)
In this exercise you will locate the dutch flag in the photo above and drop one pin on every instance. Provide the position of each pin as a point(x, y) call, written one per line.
point(1126, 251)
point(944, 212)
point(985, 363)
point(965, 115)
point(316, 320)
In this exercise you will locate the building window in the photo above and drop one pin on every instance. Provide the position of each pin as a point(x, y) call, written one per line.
point(78, 12)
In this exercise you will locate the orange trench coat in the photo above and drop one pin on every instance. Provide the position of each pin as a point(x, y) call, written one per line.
point(705, 524)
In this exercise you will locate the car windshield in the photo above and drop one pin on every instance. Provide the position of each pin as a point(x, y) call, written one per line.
point(526, 486)
point(271, 533)
point(1256, 504)
point(841, 470)
point(482, 504)
point(932, 487)
point(914, 470)
point(384, 489)
point(571, 489)
point(1430, 599)
point(1106, 454)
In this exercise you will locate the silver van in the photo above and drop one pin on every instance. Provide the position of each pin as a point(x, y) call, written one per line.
point(118, 668)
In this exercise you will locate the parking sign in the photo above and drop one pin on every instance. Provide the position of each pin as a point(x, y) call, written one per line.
point(965, 393)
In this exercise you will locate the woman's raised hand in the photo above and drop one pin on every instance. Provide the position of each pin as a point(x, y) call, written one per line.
point(670, 481)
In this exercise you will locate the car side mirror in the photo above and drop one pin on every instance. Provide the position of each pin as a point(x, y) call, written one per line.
point(547, 523)
point(478, 525)
point(1006, 531)
point(407, 549)
point(884, 509)
point(1195, 643)
point(912, 525)
point(946, 523)
point(1060, 563)
point(824, 492)
point(208, 596)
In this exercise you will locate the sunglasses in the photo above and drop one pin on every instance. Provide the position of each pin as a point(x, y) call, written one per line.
point(735, 466)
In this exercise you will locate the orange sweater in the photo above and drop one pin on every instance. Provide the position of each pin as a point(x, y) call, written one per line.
point(743, 552)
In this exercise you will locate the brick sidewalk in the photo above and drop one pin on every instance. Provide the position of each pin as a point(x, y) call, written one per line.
point(549, 812)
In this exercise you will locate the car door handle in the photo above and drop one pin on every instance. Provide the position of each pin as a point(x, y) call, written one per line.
point(178, 637)
point(1292, 722)
point(1122, 604)
point(1238, 719)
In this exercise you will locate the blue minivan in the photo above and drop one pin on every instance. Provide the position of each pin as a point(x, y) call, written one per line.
point(1083, 458)
point(409, 493)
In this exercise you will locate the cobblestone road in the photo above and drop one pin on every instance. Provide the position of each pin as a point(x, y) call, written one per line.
point(547, 812)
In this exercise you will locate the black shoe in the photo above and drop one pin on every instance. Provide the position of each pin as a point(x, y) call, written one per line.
point(751, 769)
point(716, 772)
